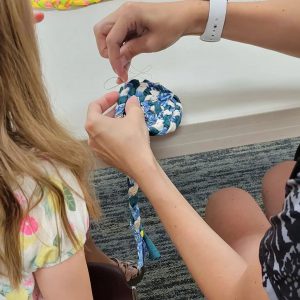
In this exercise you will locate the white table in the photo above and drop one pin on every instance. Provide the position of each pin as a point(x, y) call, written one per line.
point(229, 90)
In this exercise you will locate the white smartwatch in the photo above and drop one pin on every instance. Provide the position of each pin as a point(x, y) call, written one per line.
point(215, 22)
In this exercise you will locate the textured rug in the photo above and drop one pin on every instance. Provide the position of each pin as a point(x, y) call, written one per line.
point(196, 176)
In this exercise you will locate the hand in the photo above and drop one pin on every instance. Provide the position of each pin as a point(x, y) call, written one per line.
point(38, 17)
point(120, 142)
point(145, 27)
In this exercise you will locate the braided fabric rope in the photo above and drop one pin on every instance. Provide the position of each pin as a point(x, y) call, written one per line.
point(61, 4)
point(163, 113)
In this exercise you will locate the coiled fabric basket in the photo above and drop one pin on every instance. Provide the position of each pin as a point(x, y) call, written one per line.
point(163, 114)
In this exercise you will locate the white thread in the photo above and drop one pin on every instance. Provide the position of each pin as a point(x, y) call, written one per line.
point(138, 73)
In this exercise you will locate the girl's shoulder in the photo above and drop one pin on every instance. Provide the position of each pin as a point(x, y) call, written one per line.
point(28, 192)
point(40, 201)
point(43, 239)
point(42, 232)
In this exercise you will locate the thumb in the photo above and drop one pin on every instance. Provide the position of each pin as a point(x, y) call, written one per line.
point(133, 107)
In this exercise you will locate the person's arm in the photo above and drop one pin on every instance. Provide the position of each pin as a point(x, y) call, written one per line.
point(67, 280)
point(124, 143)
point(138, 27)
point(273, 24)
point(215, 266)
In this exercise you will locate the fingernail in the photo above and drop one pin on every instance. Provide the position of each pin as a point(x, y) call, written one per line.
point(119, 80)
point(135, 99)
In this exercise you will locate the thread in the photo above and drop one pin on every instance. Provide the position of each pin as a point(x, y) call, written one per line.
point(134, 75)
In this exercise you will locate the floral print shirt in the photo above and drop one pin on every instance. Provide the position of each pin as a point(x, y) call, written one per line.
point(42, 231)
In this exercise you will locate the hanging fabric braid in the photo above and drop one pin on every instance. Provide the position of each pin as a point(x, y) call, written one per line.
point(61, 4)
point(163, 113)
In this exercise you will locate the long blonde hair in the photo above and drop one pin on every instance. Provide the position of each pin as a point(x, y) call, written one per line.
point(29, 132)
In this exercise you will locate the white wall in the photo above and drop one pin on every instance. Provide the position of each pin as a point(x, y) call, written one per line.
point(215, 81)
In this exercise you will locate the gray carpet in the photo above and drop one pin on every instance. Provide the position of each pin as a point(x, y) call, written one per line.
point(196, 176)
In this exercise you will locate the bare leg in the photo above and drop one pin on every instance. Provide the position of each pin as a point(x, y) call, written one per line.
point(273, 187)
point(239, 221)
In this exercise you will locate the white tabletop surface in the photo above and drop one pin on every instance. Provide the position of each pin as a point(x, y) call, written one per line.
point(214, 81)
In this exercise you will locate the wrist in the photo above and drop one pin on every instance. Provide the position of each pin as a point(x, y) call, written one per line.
point(196, 15)
point(146, 170)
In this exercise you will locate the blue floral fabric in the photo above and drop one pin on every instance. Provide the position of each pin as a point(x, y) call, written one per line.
point(163, 113)
point(162, 109)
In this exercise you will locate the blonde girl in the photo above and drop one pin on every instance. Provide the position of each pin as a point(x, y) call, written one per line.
point(45, 202)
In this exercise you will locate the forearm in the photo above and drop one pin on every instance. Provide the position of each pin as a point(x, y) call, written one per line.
point(210, 260)
point(272, 24)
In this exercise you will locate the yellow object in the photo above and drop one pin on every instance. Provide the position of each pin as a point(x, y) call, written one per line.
point(61, 4)
point(47, 255)
point(20, 294)
point(27, 241)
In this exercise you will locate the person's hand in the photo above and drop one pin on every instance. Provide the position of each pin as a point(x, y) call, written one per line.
point(120, 142)
point(38, 17)
point(145, 27)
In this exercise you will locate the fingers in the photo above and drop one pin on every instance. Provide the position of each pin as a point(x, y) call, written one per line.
point(97, 108)
point(133, 109)
point(120, 80)
point(128, 51)
point(101, 30)
point(114, 41)
point(93, 117)
point(104, 42)
point(107, 101)
point(109, 41)
point(111, 112)
point(120, 37)
point(131, 104)
point(38, 17)
point(135, 46)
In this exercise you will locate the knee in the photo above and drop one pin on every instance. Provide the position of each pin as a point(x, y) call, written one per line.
point(277, 174)
point(270, 174)
point(223, 206)
point(224, 194)
point(222, 199)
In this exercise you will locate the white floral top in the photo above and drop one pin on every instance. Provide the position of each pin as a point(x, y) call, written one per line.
point(41, 231)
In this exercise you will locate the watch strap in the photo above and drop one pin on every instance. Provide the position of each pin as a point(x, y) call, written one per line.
point(215, 22)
